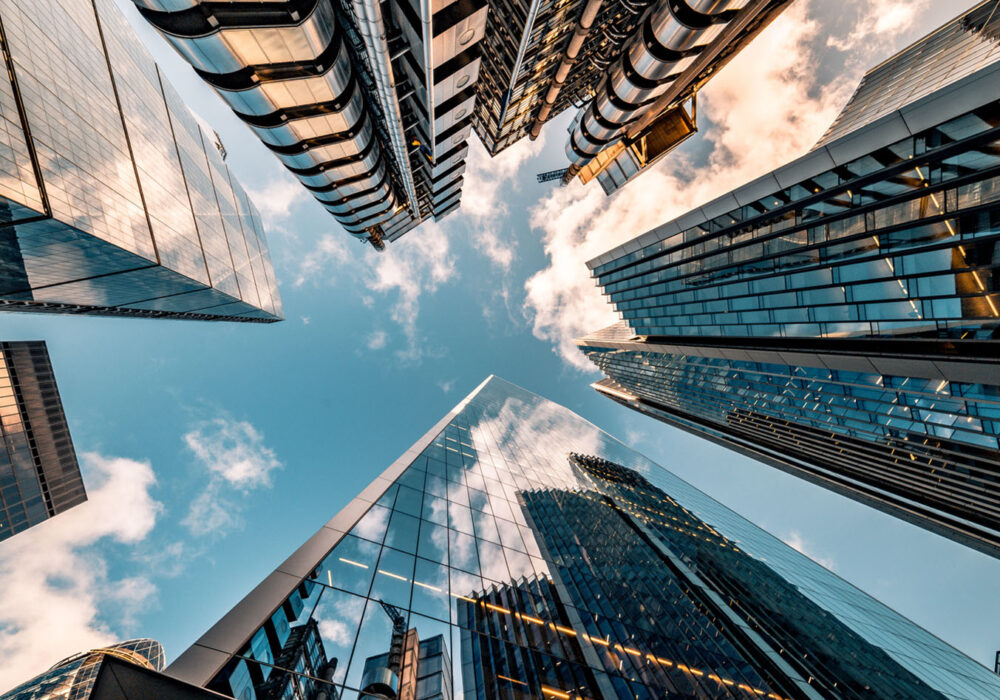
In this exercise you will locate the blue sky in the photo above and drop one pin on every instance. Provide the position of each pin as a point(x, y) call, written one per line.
point(211, 451)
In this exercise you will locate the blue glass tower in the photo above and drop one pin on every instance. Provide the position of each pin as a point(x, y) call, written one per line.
point(554, 562)
point(838, 318)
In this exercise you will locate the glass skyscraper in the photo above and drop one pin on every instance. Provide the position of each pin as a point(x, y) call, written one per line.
point(39, 474)
point(74, 677)
point(516, 551)
point(838, 317)
point(113, 198)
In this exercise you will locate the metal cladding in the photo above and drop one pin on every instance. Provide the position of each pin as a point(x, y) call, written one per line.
point(293, 83)
point(367, 109)
point(669, 39)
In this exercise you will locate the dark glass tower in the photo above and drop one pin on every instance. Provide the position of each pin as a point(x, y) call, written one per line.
point(839, 318)
point(39, 475)
point(114, 200)
point(560, 564)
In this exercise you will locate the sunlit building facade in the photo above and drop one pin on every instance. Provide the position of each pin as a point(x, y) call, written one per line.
point(554, 562)
point(114, 200)
point(838, 317)
point(371, 105)
point(39, 474)
point(75, 677)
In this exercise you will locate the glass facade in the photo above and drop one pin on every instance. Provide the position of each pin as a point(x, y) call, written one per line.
point(112, 199)
point(74, 678)
point(839, 317)
point(39, 474)
point(542, 558)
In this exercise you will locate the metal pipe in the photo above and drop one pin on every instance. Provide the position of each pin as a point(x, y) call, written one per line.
point(667, 41)
point(583, 26)
point(372, 29)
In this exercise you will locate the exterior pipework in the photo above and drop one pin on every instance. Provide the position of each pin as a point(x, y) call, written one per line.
point(372, 28)
point(261, 63)
point(583, 26)
point(669, 38)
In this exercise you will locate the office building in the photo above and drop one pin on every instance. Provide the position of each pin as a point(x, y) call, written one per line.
point(39, 474)
point(557, 563)
point(371, 105)
point(838, 318)
point(125, 671)
point(114, 200)
point(74, 677)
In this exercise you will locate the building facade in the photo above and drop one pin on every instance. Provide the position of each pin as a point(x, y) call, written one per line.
point(558, 563)
point(371, 105)
point(74, 677)
point(113, 199)
point(838, 318)
point(39, 474)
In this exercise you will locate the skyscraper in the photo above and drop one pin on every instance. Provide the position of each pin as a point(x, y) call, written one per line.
point(74, 677)
point(557, 563)
point(371, 105)
point(838, 317)
point(124, 671)
point(114, 200)
point(39, 475)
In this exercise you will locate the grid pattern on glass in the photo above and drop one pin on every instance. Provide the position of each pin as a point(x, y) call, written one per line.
point(898, 241)
point(39, 474)
point(74, 677)
point(496, 537)
point(141, 220)
point(956, 50)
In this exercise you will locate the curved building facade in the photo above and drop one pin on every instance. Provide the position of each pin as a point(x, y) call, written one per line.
point(370, 109)
point(74, 677)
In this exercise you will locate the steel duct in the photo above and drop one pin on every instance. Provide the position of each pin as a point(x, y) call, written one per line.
point(290, 78)
point(666, 43)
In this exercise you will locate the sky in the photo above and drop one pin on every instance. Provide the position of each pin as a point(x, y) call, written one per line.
point(211, 451)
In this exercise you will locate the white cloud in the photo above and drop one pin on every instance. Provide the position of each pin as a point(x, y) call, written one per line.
point(55, 582)
point(276, 199)
point(484, 208)
point(330, 252)
point(447, 386)
point(795, 541)
point(759, 112)
point(878, 22)
point(416, 264)
point(306, 320)
point(237, 461)
point(377, 340)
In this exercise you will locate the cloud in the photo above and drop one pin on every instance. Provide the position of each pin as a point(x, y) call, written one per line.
point(329, 252)
point(415, 265)
point(237, 461)
point(447, 386)
point(795, 541)
point(277, 198)
point(879, 21)
point(55, 580)
point(377, 340)
point(484, 206)
point(759, 112)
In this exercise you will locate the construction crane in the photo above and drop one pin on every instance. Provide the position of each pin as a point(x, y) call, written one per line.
point(551, 175)
point(398, 636)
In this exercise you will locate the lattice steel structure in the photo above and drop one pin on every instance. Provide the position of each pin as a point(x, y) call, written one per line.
point(561, 564)
point(839, 318)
